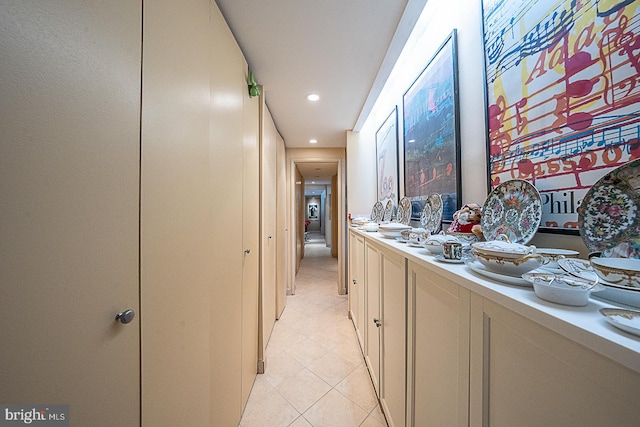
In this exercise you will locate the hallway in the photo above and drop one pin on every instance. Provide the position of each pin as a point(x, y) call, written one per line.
point(315, 373)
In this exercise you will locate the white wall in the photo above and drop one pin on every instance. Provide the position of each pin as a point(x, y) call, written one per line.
point(437, 21)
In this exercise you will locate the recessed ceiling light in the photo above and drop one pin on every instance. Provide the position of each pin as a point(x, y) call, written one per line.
point(313, 141)
point(313, 182)
point(313, 97)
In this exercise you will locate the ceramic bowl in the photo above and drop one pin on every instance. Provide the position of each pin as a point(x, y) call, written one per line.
point(553, 255)
point(393, 230)
point(434, 242)
point(502, 249)
point(464, 238)
point(370, 226)
point(562, 289)
point(624, 272)
point(508, 266)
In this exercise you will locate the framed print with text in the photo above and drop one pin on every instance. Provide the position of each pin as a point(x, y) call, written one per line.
point(387, 159)
point(563, 89)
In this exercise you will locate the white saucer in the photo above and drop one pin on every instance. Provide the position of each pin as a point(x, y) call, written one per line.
point(441, 258)
point(627, 320)
point(414, 245)
point(477, 267)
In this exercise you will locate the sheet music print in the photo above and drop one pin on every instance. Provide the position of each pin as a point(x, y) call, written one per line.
point(563, 90)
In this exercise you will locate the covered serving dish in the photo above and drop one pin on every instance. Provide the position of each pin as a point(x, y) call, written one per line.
point(503, 257)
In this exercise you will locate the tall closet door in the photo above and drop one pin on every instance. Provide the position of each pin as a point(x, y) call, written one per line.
point(281, 220)
point(69, 179)
point(268, 223)
point(178, 204)
point(228, 89)
point(250, 237)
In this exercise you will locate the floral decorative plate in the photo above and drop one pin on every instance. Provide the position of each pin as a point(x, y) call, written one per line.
point(431, 217)
point(608, 216)
point(377, 212)
point(403, 215)
point(388, 211)
point(513, 208)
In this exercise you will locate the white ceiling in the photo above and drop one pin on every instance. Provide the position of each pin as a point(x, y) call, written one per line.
point(318, 173)
point(343, 50)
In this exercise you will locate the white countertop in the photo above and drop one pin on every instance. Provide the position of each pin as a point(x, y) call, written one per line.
point(584, 325)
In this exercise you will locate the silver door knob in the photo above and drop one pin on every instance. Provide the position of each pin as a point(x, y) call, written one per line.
point(126, 316)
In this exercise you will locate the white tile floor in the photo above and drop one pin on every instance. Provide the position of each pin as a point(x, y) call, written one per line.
point(315, 373)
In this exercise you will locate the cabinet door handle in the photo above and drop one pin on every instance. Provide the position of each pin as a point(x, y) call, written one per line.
point(377, 322)
point(126, 316)
point(354, 281)
point(247, 251)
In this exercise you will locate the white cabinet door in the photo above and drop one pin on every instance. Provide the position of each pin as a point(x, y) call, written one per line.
point(526, 375)
point(393, 285)
point(356, 285)
point(69, 180)
point(438, 349)
point(373, 318)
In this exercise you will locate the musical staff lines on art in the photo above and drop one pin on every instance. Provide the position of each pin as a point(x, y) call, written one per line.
point(563, 89)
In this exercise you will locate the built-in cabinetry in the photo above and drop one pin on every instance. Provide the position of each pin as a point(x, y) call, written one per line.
point(377, 306)
point(356, 285)
point(480, 353)
point(526, 375)
point(374, 315)
point(393, 299)
point(437, 349)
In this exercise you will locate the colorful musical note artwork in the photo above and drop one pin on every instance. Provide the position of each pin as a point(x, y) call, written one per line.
point(563, 89)
point(431, 132)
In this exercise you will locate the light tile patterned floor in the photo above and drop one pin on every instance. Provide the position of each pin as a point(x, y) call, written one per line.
point(315, 373)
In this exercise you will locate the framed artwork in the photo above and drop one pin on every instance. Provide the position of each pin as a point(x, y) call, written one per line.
point(432, 132)
point(387, 159)
point(562, 97)
point(313, 211)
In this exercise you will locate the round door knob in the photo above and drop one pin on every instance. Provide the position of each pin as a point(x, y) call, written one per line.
point(126, 316)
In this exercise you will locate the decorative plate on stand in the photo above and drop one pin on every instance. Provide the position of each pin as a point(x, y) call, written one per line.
point(377, 212)
point(388, 211)
point(431, 217)
point(403, 215)
point(513, 208)
point(608, 216)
